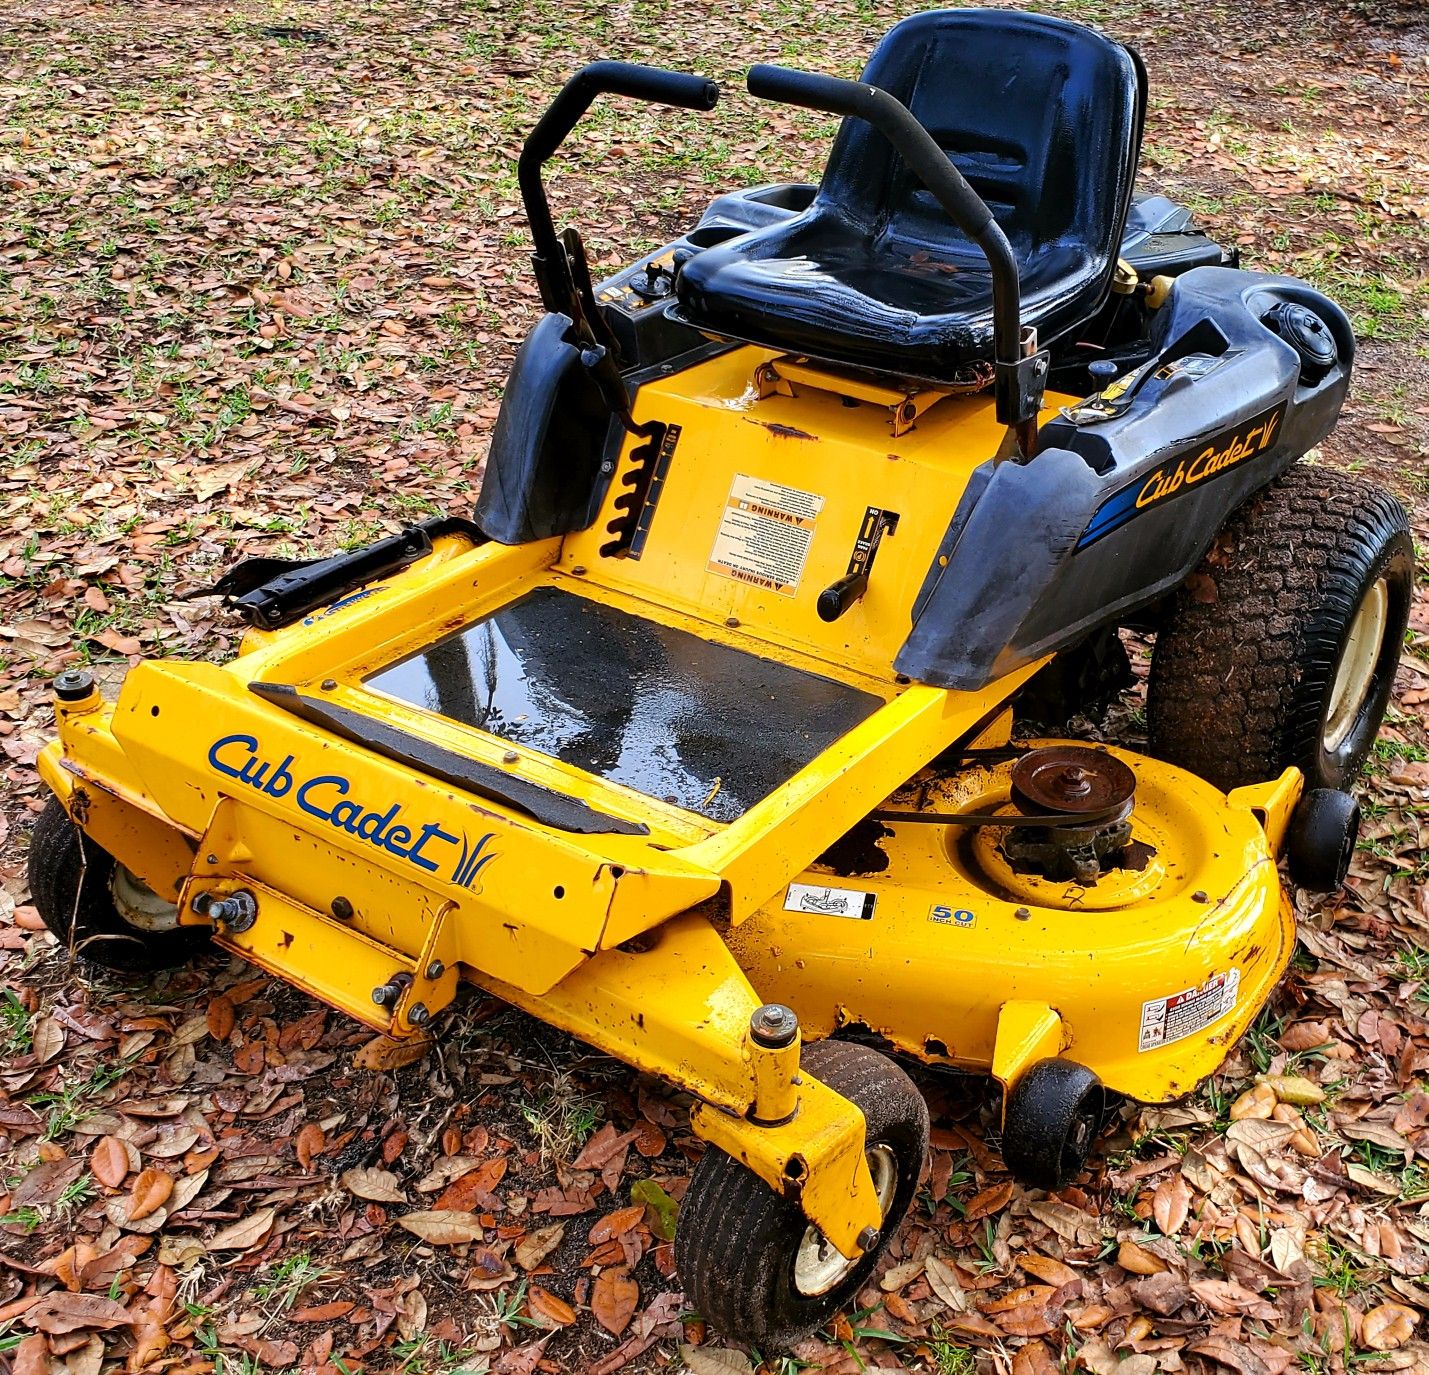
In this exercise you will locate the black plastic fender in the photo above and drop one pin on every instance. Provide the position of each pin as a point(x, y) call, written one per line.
point(1114, 512)
point(545, 472)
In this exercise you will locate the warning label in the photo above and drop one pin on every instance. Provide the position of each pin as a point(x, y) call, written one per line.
point(764, 534)
point(1164, 1020)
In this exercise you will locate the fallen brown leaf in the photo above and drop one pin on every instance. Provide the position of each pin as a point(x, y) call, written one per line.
point(444, 1227)
point(548, 1310)
point(149, 1192)
point(613, 1299)
point(109, 1162)
point(1387, 1327)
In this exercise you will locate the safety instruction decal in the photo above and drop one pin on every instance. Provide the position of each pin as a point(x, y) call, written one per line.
point(764, 534)
point(830, 902)
point(1164, 1020)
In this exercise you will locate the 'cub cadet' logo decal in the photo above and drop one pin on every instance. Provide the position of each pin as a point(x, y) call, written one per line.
point(338, 605)
point(326, 796)
point(1185, 471)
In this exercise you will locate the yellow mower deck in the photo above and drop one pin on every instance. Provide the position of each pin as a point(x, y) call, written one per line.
point(368, 821)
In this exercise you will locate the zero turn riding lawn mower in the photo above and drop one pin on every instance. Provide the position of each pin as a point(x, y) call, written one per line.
point(697, 740)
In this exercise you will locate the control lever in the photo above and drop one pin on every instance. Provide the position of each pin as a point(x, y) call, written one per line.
point(838, 596)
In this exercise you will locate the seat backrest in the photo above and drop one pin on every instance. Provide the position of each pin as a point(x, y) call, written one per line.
point(1043, 117)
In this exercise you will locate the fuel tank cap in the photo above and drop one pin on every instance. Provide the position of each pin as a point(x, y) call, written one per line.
point(1308, 335)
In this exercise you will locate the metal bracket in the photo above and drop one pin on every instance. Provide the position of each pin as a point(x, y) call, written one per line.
point(1020, 385)
point(904, 402)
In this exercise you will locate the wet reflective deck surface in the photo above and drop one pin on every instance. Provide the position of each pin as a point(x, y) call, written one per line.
point(707, 727)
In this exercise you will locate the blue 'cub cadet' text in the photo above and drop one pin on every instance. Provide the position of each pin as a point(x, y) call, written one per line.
point(325, 796)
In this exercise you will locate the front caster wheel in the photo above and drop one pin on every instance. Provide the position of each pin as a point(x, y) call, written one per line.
point(97, 908)
point(1054, 1113)
point(748, 1258)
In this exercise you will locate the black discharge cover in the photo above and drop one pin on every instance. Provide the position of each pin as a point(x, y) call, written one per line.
point(1113, 513)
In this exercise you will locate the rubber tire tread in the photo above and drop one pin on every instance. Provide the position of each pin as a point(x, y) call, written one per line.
point(69, 884)
point(737, 1237)
point(1239, 684)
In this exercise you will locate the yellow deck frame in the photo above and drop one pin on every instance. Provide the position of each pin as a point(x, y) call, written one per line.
point(659, 947)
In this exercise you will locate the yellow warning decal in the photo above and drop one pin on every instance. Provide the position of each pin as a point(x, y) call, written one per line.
point(764, 534)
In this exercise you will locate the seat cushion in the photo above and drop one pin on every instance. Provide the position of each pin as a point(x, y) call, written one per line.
point(819, 285)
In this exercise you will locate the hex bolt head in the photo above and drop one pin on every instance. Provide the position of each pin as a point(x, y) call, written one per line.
point(867, 1239)
point(343, 909)
point(73, 685)
point(328, 684)
point(436, 969)
point(1023, 914)
point(774, 1026)
point(237, 912)
point(418, 1014)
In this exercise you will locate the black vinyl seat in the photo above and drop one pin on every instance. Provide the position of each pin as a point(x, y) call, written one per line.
point(1041, 116)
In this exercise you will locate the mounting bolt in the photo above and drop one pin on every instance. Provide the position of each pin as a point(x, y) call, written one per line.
point(418, 1015)
point(1023, 914)
point(867, 1239)
point(1200, 895)
point(579, 570)
point(328, 684)
point(510, 757)
point(774, 1026)
point(342, 909)
point(237, 912)
point(436, 969)
point(73, 685)
point(387, 995)
point(731, 621)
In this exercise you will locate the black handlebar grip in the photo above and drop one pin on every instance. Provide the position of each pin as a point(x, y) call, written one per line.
point(812, 90)
point(651, 83)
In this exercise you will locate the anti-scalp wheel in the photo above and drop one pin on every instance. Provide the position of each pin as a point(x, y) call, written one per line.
point(748, 1258)
point(98, 908)
point(1282, 648)
point(1320, 841)
point(1053, 1115)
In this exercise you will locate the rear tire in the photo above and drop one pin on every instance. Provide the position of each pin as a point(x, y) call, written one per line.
point(1282, 648)
point(73, 883)
point(741, 1247)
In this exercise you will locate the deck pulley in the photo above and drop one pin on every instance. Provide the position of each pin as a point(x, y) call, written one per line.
point(1070, 781)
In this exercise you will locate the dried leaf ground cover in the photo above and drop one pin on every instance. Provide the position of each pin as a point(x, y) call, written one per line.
point(261, 274)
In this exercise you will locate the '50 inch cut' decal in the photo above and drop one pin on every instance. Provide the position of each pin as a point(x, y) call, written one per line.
point(1184, 471)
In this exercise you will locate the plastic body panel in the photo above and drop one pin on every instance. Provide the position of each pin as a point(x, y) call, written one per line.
point(1160, 238)
point(543, 469)
point(1023, 576)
